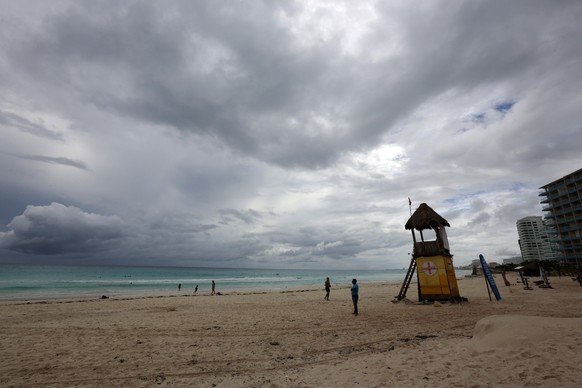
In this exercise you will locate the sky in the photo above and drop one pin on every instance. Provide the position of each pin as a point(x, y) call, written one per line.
point(269, 134)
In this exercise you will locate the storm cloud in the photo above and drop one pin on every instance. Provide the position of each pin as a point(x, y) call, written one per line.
point(286, 134)
point(57, 229)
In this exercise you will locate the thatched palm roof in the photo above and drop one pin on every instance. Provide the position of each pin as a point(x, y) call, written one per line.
point(425, 218)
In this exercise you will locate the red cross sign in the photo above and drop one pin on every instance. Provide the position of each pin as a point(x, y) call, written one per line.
point(429, 268)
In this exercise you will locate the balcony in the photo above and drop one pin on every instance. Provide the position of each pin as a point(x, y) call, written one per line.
point(572, 211)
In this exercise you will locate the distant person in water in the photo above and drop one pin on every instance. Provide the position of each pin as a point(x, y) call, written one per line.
point(179, 286)
point(327, 288)
point(213, 288)
point(196, 289)
point(354, 290)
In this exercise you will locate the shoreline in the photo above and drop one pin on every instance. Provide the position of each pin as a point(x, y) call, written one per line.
point(72, 296)
point(171, 294)
point(235, 292)
point(23, 283)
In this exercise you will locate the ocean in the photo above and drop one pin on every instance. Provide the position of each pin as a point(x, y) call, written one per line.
point(42, 282)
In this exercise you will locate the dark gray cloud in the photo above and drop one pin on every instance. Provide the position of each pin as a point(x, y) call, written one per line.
point(58, 229)
point(231, 83)
point(249, 216)
point(55, 160)
point(209, 70)
point(13, 120)
point(266, 134)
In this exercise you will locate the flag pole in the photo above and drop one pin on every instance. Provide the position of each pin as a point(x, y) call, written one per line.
point(410, 205)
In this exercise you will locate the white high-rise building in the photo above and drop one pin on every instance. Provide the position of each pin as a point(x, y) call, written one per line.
point(533, 239)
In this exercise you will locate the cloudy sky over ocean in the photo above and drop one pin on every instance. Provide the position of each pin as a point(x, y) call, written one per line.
point(279, 134)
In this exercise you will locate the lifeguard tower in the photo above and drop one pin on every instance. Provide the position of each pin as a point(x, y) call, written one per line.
point(432, 260)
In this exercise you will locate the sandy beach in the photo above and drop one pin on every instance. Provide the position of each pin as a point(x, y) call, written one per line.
point(530, 338)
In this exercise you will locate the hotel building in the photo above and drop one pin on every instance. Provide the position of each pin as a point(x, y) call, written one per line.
point(562, 204)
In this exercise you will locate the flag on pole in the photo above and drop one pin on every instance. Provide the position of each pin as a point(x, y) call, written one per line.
point(409, 202)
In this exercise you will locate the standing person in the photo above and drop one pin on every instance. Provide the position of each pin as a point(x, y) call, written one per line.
point(354, 290)
point(213, 288)
point(196, 289)
point(179, 287)
point(327, 288)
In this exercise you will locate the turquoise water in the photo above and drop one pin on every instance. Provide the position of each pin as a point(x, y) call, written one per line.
point(36, 282)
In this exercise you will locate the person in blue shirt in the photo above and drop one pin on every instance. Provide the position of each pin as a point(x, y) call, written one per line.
point(354, 290)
